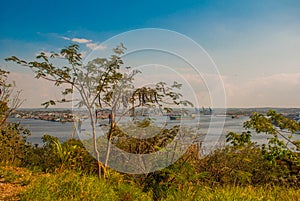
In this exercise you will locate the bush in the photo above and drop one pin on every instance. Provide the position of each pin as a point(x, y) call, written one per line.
point(243, 166)
point(12, 135)
point(13, 144)
point(54, 156)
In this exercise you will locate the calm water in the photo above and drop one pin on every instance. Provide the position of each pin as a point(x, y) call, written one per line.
point(204, 124)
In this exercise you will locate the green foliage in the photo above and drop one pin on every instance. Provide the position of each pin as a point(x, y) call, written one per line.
point(243, 166)
point(63, 152)
point(100, 83)
point(12, 135)
point(143, 145)
point(233, 172)
point(281, 148)
point(70, 155)
point(239, 140)
point(13, 144)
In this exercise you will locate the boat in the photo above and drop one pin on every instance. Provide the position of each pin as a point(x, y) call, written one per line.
point(182, 117)
point(206, 111)
point(297, 118)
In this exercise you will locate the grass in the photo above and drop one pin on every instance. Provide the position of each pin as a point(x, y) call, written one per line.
point(70, 185)
point(230, 193)
point(15, 175)
point(74, 186)
point(13, 180)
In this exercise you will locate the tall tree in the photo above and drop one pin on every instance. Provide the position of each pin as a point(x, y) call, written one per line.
point(101, 83)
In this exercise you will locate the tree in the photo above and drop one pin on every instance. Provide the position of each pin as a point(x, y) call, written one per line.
point(281, 148)
point(12, 135)
point(101, 83)
point(8, 102)
point(281, 145)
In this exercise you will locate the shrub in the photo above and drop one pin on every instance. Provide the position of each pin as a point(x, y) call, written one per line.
point(13, 144)
point(12, 135)
point(56, 156)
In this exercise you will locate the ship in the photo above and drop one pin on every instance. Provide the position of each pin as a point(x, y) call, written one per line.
point(204, 111)
point(182, 117)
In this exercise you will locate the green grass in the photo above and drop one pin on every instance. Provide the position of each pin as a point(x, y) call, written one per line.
point(230, 193)
point(75, 186)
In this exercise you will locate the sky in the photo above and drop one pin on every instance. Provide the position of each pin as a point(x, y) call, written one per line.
point(254, 45)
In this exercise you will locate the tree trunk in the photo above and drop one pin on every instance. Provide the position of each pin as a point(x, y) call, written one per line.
point(108, 145)
point(95, 142)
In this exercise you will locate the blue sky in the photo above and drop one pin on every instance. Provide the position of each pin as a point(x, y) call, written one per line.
point(255, 44)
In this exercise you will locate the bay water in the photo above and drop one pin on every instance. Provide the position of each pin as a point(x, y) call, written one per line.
point(216, 127)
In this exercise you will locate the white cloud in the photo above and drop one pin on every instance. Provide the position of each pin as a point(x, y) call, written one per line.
point(65, 38)
point(81, 40)
point(95, 46)
point(77, 40)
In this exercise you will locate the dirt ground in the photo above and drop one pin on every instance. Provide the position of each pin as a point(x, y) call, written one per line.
point(10, 191)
